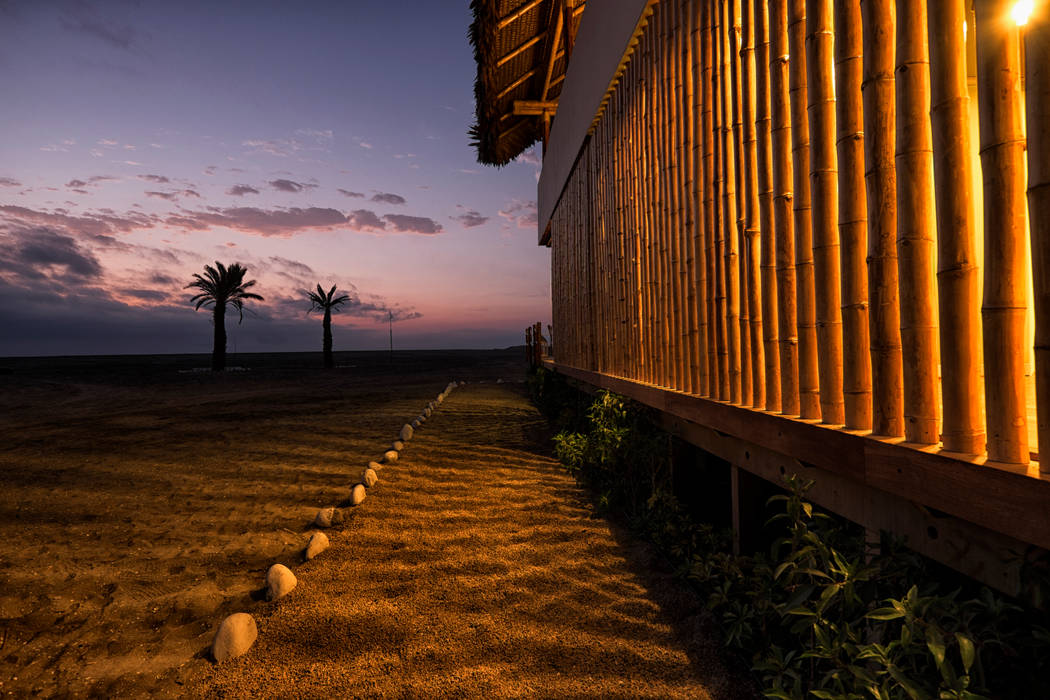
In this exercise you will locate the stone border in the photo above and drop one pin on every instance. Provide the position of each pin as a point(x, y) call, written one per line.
point(238, 632)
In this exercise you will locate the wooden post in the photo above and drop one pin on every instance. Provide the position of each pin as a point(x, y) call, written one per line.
point(853, 225)
point(808, 377)
point(878, 18)
point(771, 353)
point(957, 280)
point(729, 208)
point(915, 224)
point(1037, 64)
point(751, 226)
point(824, 176)
point(784, 224)
point(1002, 163)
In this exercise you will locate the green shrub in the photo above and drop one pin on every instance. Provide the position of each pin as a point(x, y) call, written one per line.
point(822, 614)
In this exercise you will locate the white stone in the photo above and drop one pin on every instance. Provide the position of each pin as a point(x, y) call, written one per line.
point(317, 544)
point(414, 424)
point(397, 445)
point(279, 581)
point(327, 517)
point(369, 478)
point(406, 433)
point(235, 637)
point(375, 465)
point(358, 495)
point(390, 456)
point(500, 380)
point(427, 411)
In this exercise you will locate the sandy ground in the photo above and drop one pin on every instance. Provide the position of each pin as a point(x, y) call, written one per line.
point(137, 509)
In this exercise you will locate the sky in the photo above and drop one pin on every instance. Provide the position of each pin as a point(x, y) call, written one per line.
point(314, 143)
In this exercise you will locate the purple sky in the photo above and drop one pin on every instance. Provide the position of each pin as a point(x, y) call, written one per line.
point(312, 142)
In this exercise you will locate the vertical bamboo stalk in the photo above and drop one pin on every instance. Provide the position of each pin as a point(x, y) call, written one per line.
point(808, 373)
point(717, 85)
point(679, 260)
point(1037, 64)
point(956, 248)
point(752, 226)
point(784, 222)
point(1002, 163)
point(915, 224)
point(729, 208)
point(853, 226)
point(734, 44)
point(707, 129)
point(697, 195)
point(825, 197)
point(667, 364)
point(878, 18)
point(687, 187)
point(760, 20)
point(649, 252)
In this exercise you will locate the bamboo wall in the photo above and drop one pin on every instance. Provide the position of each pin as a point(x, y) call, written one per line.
point(775, 209)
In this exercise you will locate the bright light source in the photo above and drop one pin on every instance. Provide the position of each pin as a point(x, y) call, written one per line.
point(1022, 11)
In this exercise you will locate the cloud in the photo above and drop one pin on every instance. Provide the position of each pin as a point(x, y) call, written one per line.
point(528, 156)
point(348, 193)
point(470, 219)
point(241, 190)
point(365, 220)
point(80, 17)
point(41, 253)
point(210, 170)
point(364, 144)
point(52, 148)
point(523, 213)
point(76, 183)
point(191, 193)
point(170, 196)
point(108, 142)
point(99, 223)
point(160, 179)
point(319, 135)
point(412, 224)
point(388, 198)
point(281, 223)
point(290, 185)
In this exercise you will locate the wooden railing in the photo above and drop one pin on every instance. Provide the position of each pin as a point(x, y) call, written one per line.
point(776, 209)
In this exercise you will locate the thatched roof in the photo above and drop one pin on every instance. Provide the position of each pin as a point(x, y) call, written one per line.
point(520, 49)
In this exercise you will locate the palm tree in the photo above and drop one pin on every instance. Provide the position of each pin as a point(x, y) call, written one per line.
point(326, 302)
point(220, 287)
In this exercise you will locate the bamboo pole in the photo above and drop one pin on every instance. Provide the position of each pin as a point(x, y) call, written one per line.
point(729, 209)
point(784, 223)
point(808, 376)
point(1037, 65)
point(915, 224)
point(667, 375)
point(710, 205)
point(760, 21)
point(878, 18)
point(696, 190)
point(752, 225)
point(649, 249)
point(1002, 163)
point(734, 44)
point(672, 152)
point(960, 330)
point(853, 227)
point(687, 188)
point(824, 177)
point(717, 85)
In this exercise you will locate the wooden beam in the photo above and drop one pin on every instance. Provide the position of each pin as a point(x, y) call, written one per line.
point(1014, 501)
point(518, 13)
point(553, 55)
point(534, 108)
point(524, 47)
point(525, 76)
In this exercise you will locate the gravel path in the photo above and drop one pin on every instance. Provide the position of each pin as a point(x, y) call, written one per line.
point(475, 568)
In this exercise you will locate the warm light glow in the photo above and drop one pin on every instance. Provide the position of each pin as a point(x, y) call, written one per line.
point(1022, 11)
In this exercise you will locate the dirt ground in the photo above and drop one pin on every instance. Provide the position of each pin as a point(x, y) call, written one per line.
point(141, 502)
